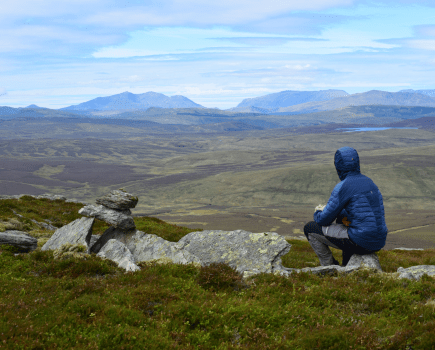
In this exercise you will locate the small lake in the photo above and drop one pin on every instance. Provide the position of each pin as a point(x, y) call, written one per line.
point(370, 129)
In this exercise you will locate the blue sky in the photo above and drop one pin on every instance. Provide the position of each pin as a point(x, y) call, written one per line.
point(58, 53)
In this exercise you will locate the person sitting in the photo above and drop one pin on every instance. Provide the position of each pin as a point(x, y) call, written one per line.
point(357, 206)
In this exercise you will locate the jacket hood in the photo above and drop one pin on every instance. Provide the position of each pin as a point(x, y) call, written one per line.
point(346, 161)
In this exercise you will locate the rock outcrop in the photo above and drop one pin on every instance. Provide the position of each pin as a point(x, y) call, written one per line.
point(249, 253)
point(18, 239)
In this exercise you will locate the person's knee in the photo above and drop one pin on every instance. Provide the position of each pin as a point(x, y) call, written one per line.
point(307, 228)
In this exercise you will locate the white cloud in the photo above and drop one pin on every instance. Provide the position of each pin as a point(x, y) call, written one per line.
point(2, 91)
point(215, 52)
point(423, 44)
point(119, 52)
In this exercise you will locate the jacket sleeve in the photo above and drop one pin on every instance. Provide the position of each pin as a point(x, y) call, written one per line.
point(333, 208)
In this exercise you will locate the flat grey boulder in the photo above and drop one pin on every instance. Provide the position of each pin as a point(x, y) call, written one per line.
point(119, 253)
point(117, 218)
point(249, 253)
point(118, 199)
point(149, 247)
point(18, 239)
point(416, 272)
point(76, 232)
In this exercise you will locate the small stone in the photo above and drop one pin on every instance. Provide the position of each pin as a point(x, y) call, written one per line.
point(118, 199)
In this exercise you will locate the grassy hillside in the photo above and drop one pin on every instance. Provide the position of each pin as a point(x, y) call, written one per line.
point(92, 304)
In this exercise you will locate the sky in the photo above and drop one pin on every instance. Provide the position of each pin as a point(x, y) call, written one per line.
point(60, 53)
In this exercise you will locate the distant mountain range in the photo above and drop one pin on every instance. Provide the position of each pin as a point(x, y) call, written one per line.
point(269, 104)
point(285, 102)
point(128, 100)
point(424, 92)
point(271, 111)
point(276, 101)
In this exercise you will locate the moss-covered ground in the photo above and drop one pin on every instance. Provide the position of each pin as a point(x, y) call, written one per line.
point(93, 304)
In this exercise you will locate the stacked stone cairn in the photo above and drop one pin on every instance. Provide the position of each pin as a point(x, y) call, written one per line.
point(249, 253)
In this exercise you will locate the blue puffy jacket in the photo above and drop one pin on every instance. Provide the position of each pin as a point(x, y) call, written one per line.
point(357, 198)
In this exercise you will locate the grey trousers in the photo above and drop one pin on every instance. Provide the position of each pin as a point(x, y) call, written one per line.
point(321, 243)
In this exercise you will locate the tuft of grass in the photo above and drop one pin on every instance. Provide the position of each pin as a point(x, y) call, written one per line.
point(90, 303)
point(10, 224)
point(172, 233)
point(219, 277)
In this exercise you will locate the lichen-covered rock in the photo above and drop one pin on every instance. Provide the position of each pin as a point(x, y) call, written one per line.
point(76, 232)
point(416, 272)
point(249, 253)
point(149, 247)
point(117, 218)
point(119, 253)
point(118, 199)
point(370, 261)
point(18, 239)
point(69, 250)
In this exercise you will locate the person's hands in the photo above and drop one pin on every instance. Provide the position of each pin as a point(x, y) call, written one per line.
point(320, 207)
point(346, 222)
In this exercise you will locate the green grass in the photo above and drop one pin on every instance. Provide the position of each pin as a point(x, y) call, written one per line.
point(93, 304)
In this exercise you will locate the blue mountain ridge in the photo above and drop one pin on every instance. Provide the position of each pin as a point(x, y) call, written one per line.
point(128, 100)
point(430, 93)
point(290, 98)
